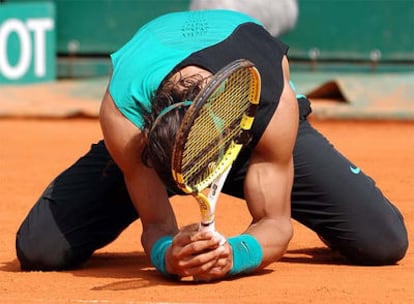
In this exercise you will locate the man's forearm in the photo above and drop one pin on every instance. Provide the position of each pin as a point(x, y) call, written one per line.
point(273, 236)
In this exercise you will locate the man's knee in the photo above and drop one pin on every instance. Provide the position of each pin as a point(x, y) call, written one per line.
point(41, 246)
point(385, 247)
point(45, 253)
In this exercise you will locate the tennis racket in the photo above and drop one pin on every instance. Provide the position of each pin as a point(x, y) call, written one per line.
point(212, 133)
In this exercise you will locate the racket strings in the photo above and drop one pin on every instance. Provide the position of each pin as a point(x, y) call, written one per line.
point(216, 127)
point(214, 150)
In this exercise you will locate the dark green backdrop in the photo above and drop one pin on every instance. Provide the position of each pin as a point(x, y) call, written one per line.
point(332, 30)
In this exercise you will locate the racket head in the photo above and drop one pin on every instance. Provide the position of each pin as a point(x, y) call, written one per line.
point(216, 126)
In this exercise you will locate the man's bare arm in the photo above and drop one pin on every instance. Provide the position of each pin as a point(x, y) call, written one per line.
point(269, 178)
point(125, 143)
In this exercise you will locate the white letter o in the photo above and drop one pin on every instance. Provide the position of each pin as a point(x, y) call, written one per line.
point(14, 72)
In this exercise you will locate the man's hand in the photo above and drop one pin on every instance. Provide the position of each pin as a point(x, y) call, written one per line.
point(198, 254)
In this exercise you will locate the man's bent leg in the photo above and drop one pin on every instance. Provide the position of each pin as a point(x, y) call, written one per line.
point(333, 197)
point(83, 209)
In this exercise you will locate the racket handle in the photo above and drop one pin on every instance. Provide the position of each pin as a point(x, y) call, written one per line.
point(211, 227)
point(216, 187)
point(207, 227)
point(208, 205)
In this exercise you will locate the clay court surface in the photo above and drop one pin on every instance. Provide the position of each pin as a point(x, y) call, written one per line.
point(34, 151)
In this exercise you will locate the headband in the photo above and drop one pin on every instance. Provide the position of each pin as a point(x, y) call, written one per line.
point(169, 109)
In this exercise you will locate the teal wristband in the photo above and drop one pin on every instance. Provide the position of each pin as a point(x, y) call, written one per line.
point(158, 252)
point(247, 253)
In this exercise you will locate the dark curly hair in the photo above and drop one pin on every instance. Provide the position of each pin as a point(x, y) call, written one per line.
point(162, 123)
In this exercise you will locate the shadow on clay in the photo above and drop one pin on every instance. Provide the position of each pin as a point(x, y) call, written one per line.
point(314, 255)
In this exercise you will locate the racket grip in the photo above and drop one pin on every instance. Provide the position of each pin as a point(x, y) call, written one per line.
point(211, 227)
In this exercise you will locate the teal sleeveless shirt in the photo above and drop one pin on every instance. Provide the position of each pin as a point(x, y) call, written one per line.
point(141, 64)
